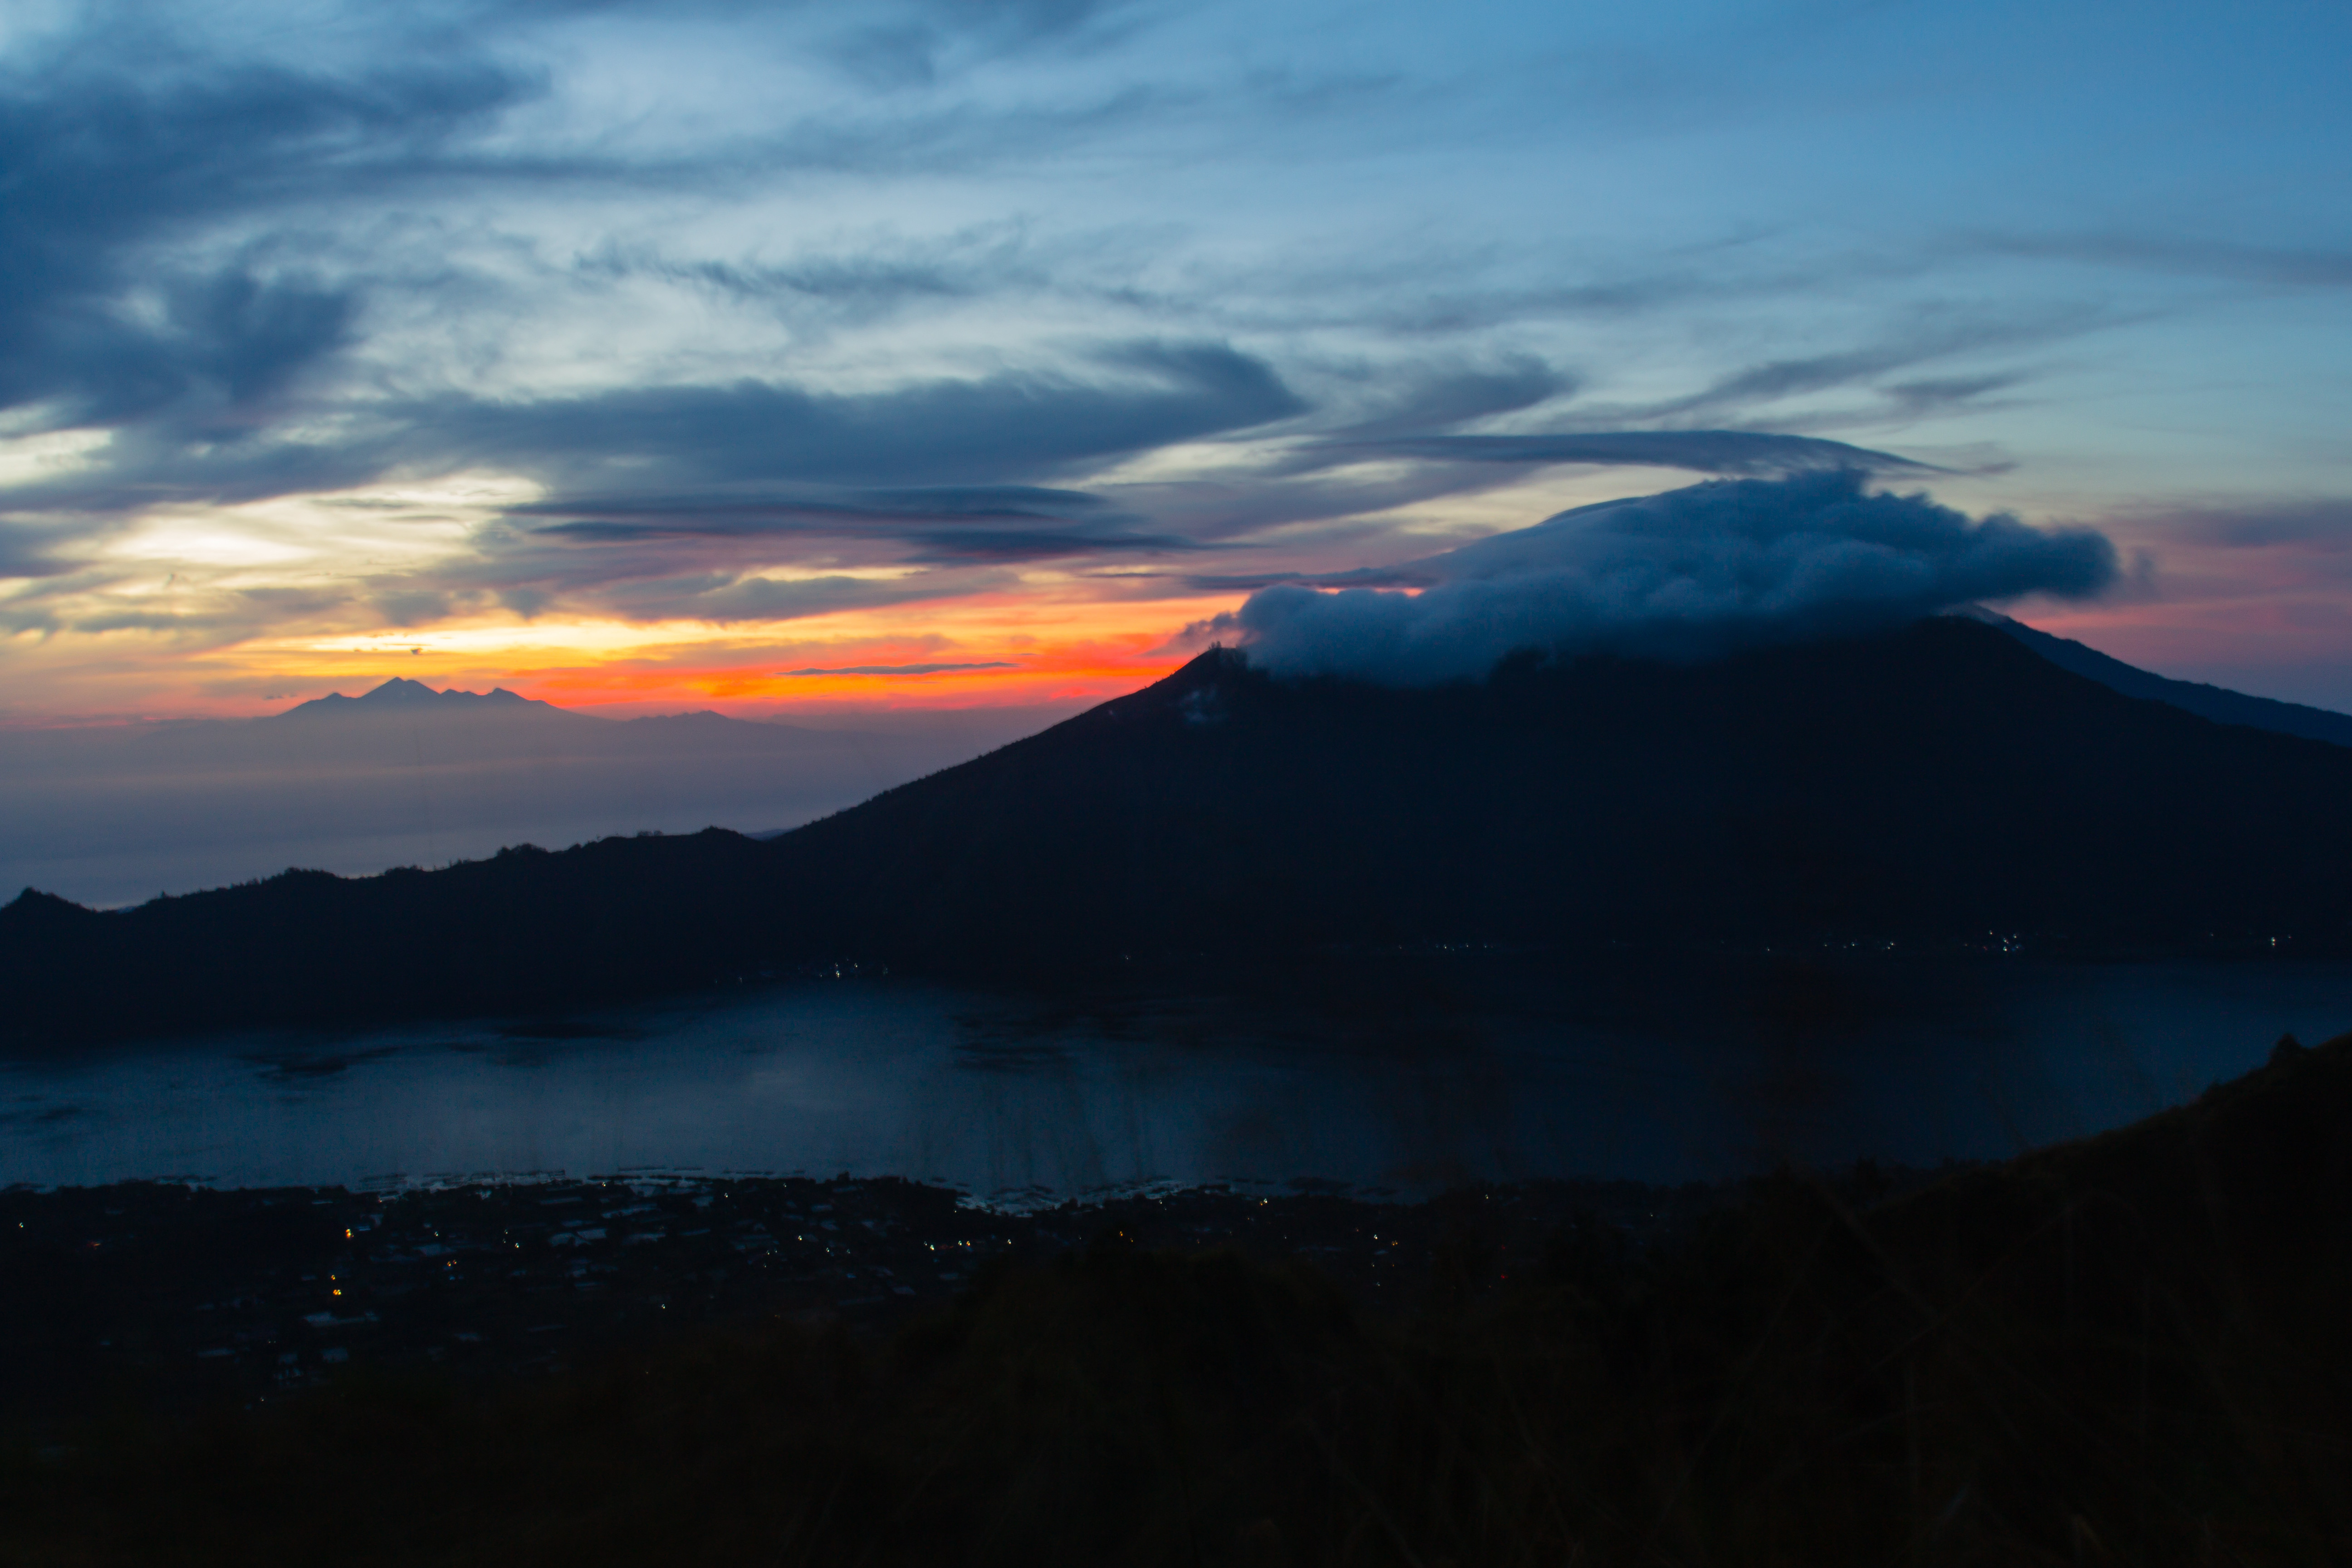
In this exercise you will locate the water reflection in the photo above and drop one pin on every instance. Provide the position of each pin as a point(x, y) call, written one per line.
point(1007, 1095)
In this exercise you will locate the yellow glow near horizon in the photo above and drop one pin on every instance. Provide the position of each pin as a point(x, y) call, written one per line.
point(1058, 638)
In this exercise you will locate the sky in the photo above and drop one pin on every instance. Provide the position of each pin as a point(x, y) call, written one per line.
point(798, 358)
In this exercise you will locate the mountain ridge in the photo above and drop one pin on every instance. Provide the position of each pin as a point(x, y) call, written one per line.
point(2217, 703)
point(1733, 807)
point(1945, 785)
point(402, 694)
point(401, 698)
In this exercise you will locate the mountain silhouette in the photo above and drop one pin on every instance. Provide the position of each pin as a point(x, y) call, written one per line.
point(1927, 785)
point(1942, 785)
point(408, 776)
point(2215, 703)
point(400, 695)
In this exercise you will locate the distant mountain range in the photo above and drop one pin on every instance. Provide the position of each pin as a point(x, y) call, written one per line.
point(1942, 785)
point(406, 776)
point(405, 695)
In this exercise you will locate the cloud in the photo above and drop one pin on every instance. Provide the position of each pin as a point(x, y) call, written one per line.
point(915, 45)
point(1411, 574)
point(1706, 451)
point(1012, 427)
point(1689, 573)
point(827, 288)
point(1015, 426)
point(787, 309)
point(667, 580)
point(102, 165)
point(1434, 399)
point(2269, 266)
point(2321, 524)
point(1928, 336)
point(176, 277)
point(947, 524)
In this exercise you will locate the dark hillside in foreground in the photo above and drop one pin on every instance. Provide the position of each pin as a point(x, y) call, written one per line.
point(2128, 1350)
point(1941, 784)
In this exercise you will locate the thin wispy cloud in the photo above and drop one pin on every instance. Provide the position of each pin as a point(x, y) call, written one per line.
point(1706, 451)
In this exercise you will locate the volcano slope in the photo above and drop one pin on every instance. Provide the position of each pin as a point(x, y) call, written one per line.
point(1939, 784)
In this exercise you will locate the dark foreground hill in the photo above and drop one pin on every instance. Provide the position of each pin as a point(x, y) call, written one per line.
point(2128, 1350)
point(1940, 785)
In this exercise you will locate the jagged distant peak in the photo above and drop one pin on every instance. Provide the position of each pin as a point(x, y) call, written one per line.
point(401, 694)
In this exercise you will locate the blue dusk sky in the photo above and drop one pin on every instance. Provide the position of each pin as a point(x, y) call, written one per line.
point(764, 357)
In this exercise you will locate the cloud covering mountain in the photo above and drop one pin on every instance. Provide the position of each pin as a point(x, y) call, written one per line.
point(1688, 573)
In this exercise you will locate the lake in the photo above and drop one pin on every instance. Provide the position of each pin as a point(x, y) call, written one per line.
point(1608, 1073)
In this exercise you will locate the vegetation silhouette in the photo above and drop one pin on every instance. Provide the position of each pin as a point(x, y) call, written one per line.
point(2128, 1349)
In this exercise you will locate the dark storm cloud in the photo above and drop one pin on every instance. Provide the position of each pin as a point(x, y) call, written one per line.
point(1688, 573)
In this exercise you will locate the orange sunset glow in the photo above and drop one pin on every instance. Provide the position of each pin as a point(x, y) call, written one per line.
point(1052, 644)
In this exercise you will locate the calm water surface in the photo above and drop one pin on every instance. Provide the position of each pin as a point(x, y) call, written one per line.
point(1018, 1098)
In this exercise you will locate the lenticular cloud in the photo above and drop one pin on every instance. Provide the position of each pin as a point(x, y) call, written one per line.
point(1690, 573)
